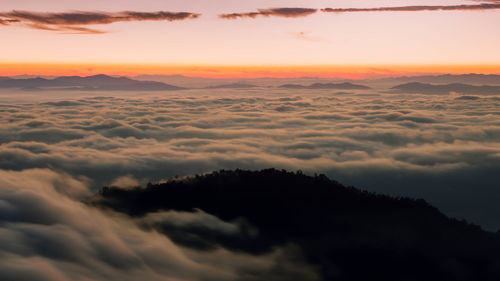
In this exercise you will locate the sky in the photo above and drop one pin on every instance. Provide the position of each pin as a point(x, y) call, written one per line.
point(203, 43)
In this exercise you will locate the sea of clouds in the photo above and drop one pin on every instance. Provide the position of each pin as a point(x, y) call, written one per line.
point(57, 148)
point(47, 234)
point(444, 148)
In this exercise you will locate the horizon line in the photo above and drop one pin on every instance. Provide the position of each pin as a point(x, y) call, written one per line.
point(351, 71)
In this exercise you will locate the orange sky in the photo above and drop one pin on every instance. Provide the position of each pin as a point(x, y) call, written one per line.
point(352, 72)
point(349, 45)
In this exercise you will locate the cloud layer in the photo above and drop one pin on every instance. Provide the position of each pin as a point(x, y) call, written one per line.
point(75, 21)
point(47, 234)
point(417, 145)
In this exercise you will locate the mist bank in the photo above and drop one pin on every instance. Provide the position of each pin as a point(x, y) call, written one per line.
point(443, 148)
point(48, 234)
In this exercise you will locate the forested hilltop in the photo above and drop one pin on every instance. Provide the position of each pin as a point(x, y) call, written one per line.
point(348, 234)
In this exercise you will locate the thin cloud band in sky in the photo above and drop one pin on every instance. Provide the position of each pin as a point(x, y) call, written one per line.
point(302, 12)
point(415, 8)
point(278, 12)
point(73, 21)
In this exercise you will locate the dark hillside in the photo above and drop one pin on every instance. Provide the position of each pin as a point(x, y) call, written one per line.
point(348, 233)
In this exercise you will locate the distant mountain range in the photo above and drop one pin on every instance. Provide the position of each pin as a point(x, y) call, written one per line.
point(203, 82)
point(440, 84)
point(96, 82)
point(450, 79)
point(232, 86)
point(417, 87)
point(347, 234)
point(332, 86)
point(185, 81)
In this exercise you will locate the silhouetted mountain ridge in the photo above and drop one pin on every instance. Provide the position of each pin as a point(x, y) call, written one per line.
point(417, 87)
point(95, 82)
point(350, 234)
point(232, 86)
point(471, 78)
point(335, 86)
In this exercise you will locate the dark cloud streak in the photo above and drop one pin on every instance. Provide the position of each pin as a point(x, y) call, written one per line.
point(302, 12)
point(67, 29)
point(277, 12)
point(72, 21)
point(415, 8)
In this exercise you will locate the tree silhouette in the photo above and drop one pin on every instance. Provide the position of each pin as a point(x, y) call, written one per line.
point(350, 234)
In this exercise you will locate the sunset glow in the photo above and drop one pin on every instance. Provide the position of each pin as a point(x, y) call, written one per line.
point(195, 38)
point(292, 71)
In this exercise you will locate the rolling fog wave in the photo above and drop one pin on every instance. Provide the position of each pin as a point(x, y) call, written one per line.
point(444, 148)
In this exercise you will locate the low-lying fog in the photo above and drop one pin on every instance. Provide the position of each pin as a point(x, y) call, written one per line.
point(444, 148)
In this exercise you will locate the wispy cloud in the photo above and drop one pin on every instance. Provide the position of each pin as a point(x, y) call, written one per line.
point(7, 21)
point(278, 12)
point(66, 29)
point(485, 6)
point(307, 36)
point(73, 22)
